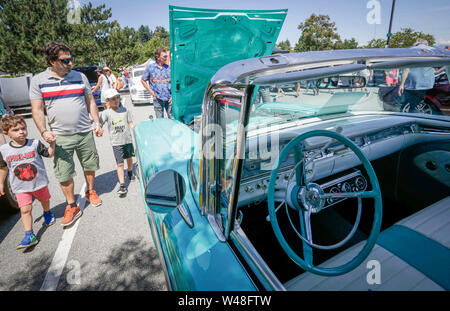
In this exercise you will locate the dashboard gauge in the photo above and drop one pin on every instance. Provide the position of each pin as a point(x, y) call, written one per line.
point(346, 187)
point(360, 183)
point(333, 190)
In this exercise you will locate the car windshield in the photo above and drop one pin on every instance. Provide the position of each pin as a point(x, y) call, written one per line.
point(356, 91)
point(138, 73)
point(424, 90)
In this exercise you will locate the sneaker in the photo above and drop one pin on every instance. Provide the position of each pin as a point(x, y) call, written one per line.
point(130, 176)
point(71, 214)
point(122, 190)
point(49, 218)
point(28, 240)
point(92, 196)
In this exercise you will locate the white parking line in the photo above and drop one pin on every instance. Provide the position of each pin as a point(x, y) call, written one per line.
point(62, 252)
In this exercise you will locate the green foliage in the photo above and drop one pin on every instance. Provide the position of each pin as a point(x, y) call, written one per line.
point(143, 34)
point(402, 39)
point(27, 25)
point(407, 37)
point(318, 33)
point(89, 39)
point(346, 44)
point(376, 43)
point(284, 45)
point(122, 50)
point(160, 39)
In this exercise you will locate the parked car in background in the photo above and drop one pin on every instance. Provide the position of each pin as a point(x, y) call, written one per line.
point(138, 93)
point(15, 93)
point(91, 74)
point(9, 200)
point(437, 99)
point(294, 193)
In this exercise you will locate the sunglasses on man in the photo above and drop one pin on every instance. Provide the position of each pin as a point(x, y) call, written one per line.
point(66, 61)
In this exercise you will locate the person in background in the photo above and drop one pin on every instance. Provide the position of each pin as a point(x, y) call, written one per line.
point(28, 178)
point(110, 76)
point(391, 76)
point(158, 75)
point(415, 82)
point(126, 75)
point(103, 84)
point(444, 68)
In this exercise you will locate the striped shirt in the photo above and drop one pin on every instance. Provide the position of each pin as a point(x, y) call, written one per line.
point(64, 101)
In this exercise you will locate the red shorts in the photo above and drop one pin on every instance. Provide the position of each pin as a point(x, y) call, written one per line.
point(26, 198)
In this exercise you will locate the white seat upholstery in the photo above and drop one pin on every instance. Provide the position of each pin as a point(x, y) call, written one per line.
point(396, 274)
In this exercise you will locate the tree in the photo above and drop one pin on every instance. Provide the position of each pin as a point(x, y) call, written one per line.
point(148, 50)
point(122, 50)
point(346, 44)
point(284, 45)
point(318, 33)
point(89, 39)
point(27, 25)
point(402, 39)
point(407, 37)
point(143, 34)
point(161, 32)
point(376, 43)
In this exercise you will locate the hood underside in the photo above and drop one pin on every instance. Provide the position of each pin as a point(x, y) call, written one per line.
point(204, 40)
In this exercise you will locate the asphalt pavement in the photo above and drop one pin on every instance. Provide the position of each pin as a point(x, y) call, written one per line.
point(109, 248)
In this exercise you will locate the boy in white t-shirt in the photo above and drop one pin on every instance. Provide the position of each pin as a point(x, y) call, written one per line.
point(27, 176)
point(120, 124)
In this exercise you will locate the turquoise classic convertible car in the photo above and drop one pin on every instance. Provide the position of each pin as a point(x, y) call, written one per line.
point(294, 190)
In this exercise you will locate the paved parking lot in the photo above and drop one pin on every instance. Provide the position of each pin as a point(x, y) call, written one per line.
point(109, 248)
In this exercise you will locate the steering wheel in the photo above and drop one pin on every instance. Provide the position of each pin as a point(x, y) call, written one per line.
point(309, 198)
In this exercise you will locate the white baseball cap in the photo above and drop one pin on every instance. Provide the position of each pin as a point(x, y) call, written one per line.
point(109, 93)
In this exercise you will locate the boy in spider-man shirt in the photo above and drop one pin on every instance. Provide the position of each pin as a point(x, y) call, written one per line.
point(27, 176)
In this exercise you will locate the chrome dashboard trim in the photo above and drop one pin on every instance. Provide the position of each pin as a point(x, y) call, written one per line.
point(257, 260)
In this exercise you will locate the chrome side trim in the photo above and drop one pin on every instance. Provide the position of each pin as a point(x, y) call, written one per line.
point(341, 179)
point(239, 160)
point(257, 260)
point(216, 228)
point(186, 214)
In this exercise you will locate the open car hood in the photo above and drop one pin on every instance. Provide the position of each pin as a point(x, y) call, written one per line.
point(204, 40)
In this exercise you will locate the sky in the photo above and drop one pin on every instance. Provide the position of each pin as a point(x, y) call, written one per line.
point(360, 19)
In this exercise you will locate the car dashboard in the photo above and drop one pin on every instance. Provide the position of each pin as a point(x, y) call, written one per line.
point(330, 163)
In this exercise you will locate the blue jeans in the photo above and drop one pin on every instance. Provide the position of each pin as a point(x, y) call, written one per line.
point(160, 105)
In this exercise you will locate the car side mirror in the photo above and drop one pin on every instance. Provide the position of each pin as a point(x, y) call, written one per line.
point(165, 191)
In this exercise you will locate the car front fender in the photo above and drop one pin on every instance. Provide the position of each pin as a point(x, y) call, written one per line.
point(192, 257)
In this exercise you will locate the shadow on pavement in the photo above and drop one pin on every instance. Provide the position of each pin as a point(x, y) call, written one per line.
point(30, 278)
point(8, 220)
point(132, 266)
point(106, 182)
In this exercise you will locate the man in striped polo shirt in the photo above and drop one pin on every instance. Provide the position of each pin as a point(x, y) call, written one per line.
point(66, 96)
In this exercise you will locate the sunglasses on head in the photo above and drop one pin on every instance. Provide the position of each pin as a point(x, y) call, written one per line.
point(66, 60)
